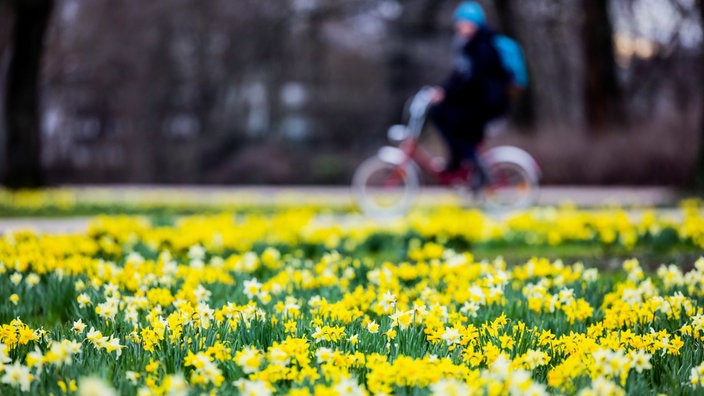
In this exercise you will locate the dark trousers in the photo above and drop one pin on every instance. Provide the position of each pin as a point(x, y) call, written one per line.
point(462, 130)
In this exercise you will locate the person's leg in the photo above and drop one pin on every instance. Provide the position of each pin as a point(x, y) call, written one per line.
point(445, 120)
point(455, 151)
point(474, 134)
point(480, 177)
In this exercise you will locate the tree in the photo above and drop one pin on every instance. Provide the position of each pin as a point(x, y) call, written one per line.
point(5, 26)
point(603, 104)
point(23, 125)
point(522, 113)
point(699, 171)
point(506, 16)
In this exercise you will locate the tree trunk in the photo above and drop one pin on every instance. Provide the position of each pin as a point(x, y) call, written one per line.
point(522, 113)
point(23, 166)
point(603, 99)
point(6, 23)
point(699, 171)
point(506, 16)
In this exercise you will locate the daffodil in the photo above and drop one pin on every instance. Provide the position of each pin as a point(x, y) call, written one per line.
point(93, 386)
point(18, 376)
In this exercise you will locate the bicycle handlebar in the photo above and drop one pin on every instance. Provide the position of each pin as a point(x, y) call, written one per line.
point(418, 109)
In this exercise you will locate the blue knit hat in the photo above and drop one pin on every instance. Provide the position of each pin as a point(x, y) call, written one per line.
point(470, 11)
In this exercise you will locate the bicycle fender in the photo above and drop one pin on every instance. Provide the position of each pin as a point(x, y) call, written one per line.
point(392, 155)
point(515, 155)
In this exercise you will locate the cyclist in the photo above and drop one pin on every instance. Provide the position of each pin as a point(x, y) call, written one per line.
point(474, 93)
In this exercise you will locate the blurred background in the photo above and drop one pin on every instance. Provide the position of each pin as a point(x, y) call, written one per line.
point(301, 91)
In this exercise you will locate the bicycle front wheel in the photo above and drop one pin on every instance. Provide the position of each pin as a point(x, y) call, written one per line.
point(511, 186)
point(384, 189)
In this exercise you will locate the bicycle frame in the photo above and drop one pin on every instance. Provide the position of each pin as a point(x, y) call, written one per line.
point(409, 149)
point(426, 162)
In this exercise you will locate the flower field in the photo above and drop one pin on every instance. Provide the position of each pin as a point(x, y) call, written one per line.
point(303, 301)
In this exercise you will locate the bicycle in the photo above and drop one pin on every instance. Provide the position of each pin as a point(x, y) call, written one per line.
point(387, 184)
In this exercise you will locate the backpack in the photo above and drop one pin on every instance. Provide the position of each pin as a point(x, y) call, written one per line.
point(513, 60)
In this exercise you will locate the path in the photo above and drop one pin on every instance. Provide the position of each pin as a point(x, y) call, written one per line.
point(262, 195)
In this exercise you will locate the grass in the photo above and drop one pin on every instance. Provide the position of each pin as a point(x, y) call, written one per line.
point(279, 303)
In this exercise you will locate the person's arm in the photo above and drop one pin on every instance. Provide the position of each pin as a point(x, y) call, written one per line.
point(449, 89)
point(455, 84)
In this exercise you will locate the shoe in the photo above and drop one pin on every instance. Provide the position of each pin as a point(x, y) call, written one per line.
point(446, 177)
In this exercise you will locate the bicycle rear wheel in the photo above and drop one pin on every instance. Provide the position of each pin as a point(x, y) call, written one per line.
point(511, 186)
point(383, 189)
